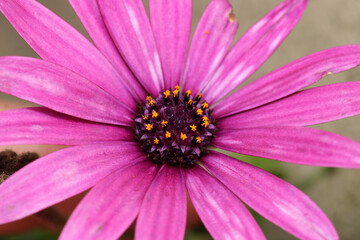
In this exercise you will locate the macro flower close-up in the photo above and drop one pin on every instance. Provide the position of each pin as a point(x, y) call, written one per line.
point(151, 118)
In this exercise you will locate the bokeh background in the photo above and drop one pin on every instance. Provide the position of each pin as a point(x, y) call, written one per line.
point(325, 24)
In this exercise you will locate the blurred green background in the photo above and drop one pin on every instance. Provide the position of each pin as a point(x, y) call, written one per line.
point(325, 24)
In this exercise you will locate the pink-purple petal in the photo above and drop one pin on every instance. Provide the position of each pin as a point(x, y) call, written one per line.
point(60, 175)
point(90, 15)
point(112, 205)
point(171, 24)
point(163, 211)
point(58, 42)
point(308, 107)
point(40, 125)
point(297, 145)
point(255, 47)
point(60, 89)
point(289, 79)
point(273, 198)
point(130, 28)
point(220, 210)
point(212, 38)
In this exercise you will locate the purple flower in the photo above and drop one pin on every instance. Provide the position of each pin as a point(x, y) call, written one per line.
point(140, 142)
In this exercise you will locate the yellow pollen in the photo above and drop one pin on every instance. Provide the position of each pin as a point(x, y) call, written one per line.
point(167, 93)
point(156, 141)
point(190, 102)
point(204, 105)
point(176, 93)
point(193, 127)
point(198, 139)
point(207, 32)
point(168, 134)
point(151, 103)
point(145, 117)
point(148, 98)
point(205, 124)
point(183, 136)
point(177, 87)
point(199, 96)
point(199, 111)
point(149, 127)
point(164, 123)
point(205, 118)
point(155, 114)
point(188, 93)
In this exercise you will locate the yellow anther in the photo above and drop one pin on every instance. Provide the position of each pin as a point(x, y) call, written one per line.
point(148, 98)
point(183, 136)
point(164, 123)
point(199, 96)
point(151, 102)
point(205, 123)
point(155, 114)
point(149, 127)
point(205, 118)
point(145, 117)
point(207, 32)
point(176, 93)
point(190, 102)
point(204, 105)
point(199, 111)
point(156, 141)
point(188, 93)
point(167, 93)
point(168, 134)
point(177, 87)
point(198, 139)
point(193, 127)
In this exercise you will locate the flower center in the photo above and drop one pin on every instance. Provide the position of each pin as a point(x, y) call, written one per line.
point(175, 128)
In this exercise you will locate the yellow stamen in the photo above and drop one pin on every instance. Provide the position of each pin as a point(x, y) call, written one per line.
point(145, 117)
point(205, 124)
point(199, 111)
point(155, 114)
point(151, 103)
point(156, 141)
point(150, 100)
point(167, 93)
point(193, 127)
point(198, 139)
point(204, 105)
point(207, 32)
point(149, 127)
point(177, 87)
point(183, 136)
point(199, 96)
point(205, 118)
point(176, 93)
point(188, 93)
point(190, 102)
point(168, 134)
point(164, 123)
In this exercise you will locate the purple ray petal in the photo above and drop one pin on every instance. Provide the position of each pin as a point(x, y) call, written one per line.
point(292, 144)
point(255, 47)
point(43, 126)
point(171, 24)
point(220, 210)
point(290, 78)
point(60, 89)
point(56, 41)
point(130, 28)
point(273, 198)
point(112, 205)
point(61, 175)
point(212, 38)
point(309, 107)
point(163, 211)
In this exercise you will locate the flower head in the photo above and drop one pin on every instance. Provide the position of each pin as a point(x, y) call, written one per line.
point(141, 141)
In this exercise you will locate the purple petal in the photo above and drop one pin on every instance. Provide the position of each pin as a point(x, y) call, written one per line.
point(211, 41)
point(60, 175)
point(130, 28)
point(163, 211)
point(273, 198)
point(309, 107)
point(292, 144)
point(221, 211)
point(171, 24)
point(112, 205)
point(43, 126)
point(56, 41)
point(290, 78)
point(60, 89)
point(255, 47)
point(90, 15)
